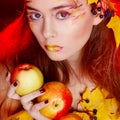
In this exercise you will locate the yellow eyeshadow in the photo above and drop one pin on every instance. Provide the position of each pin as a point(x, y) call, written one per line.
point(78, 17)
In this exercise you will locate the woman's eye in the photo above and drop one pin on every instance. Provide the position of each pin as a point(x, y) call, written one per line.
point(34, 16)
point(62, 15)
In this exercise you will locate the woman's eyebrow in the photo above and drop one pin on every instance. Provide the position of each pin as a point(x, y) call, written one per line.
point(62, 6)
point(30, 8)
point(54, 8)
point(28, 1)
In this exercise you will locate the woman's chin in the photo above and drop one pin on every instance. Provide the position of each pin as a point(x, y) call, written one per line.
point(56, 57)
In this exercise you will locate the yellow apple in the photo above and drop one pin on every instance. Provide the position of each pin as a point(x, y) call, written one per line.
point(70, 116)
point(59, 97)
point(30, 78)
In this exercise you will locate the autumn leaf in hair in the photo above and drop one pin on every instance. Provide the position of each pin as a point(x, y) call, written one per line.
point(92, 1)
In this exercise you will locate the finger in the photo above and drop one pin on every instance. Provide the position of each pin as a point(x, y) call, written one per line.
point(12, 93)
point(27, 98)
point(27, 106)
point(40, 105)
point(34, 111)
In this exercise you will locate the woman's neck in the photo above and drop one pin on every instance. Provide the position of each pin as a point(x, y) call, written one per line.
point(77, 86)
point(75, 60)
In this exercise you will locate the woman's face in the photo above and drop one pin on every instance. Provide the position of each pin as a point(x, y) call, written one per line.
point(62, 27)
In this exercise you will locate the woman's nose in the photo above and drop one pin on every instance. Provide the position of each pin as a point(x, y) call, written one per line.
point(49, 29)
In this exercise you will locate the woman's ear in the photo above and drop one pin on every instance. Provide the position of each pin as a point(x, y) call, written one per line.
point(97, 20)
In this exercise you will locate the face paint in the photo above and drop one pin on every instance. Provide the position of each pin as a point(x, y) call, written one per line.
point(60, 26)
point(77, 13)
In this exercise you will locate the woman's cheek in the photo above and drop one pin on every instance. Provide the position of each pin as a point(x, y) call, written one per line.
point(31, 25)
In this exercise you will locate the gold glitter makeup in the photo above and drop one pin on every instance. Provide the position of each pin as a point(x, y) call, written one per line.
point(53, 48)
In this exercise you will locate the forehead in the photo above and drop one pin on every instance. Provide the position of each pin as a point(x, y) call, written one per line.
point(45, 3)
point(48, 1)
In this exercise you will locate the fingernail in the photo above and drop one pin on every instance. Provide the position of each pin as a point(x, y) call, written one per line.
point(15, 84)
point(46, 101)
point(42, 90)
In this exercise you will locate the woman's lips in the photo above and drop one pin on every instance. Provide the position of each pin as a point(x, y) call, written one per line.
point(53, 48)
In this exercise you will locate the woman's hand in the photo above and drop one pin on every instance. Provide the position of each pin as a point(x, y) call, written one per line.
point(26, 101)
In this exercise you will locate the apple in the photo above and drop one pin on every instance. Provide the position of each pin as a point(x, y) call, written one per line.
point(71, 116)
point(59, 97)
point(30, 78)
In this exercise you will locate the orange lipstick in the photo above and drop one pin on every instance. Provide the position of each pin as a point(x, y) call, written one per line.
point(53, 48)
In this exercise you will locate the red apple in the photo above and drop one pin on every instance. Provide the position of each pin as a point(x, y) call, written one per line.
point(30, 78)
point(59, 97)
point(71, 116)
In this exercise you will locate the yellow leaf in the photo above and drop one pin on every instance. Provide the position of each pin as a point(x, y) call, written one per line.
point(115, 25)
point(92, 1)
point(22, 115)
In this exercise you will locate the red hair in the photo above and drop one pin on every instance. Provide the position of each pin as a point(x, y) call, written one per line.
point(118, 59)
point(14, 38)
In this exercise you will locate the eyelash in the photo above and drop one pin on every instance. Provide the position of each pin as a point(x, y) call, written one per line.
point(34, 16)
point(61, 15)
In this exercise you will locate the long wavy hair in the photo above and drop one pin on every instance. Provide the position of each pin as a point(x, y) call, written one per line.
point(98, 60)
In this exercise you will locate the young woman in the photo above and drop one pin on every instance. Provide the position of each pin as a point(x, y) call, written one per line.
point(78, 50)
